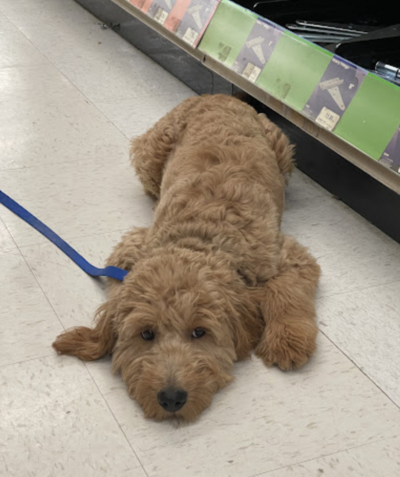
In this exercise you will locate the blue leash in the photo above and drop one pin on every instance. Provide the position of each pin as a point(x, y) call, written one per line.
point(112, 272)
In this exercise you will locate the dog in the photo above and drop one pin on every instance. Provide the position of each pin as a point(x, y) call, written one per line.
point(213, 278)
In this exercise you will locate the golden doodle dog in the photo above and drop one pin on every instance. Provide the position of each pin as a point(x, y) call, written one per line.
point(213, 278)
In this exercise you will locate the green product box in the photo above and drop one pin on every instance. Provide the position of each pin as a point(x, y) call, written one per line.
point(294, 70)
point(227, 32)
point(372, 117)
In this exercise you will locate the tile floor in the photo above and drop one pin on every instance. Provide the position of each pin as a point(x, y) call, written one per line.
point(71, 96)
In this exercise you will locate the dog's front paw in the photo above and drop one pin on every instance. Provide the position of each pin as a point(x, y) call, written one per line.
point(288, 345)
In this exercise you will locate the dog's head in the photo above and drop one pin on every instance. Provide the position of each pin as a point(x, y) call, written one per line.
point(180, 324)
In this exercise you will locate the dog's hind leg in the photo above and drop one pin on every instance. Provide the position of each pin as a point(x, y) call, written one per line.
point(280, 144)
point(150, 151)
point(92, 343)
point(288, 309)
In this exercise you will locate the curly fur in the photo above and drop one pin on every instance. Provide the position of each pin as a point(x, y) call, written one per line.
point(214, 259)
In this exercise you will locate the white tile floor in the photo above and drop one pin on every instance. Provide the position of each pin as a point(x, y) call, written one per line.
point(71, 94)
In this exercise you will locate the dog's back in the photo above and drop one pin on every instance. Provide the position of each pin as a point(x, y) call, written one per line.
point(222, 181)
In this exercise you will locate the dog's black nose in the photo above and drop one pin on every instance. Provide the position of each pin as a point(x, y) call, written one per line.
point(172, 399)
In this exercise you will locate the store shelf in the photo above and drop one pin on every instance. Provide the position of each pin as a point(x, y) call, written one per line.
point(359, 128)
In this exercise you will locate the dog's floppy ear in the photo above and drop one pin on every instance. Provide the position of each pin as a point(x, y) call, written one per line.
point(89, 344)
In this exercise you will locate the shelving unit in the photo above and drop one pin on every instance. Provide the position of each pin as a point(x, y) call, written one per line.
point(351, 111)
point(358, 123)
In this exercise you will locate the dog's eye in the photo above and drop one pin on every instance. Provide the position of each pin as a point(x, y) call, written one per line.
point(148, 335)
point(198, 333)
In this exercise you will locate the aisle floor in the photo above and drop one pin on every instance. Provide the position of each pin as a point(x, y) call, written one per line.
point(71, 96)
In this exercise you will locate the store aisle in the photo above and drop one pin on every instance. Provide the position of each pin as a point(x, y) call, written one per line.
point(71, 96)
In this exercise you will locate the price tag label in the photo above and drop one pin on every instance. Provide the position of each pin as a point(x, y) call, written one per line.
point(327, 119)
point(190, 36)
point(251, 72)
point(160, 16)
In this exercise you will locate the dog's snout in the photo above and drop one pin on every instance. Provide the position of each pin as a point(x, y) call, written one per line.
point(172, 399)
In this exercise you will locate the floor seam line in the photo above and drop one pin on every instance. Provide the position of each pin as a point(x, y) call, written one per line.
point(37, 281)
point(26, 361)
point(322, 456)
point(115, 418)
point(361, 370)
point(358, 289)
